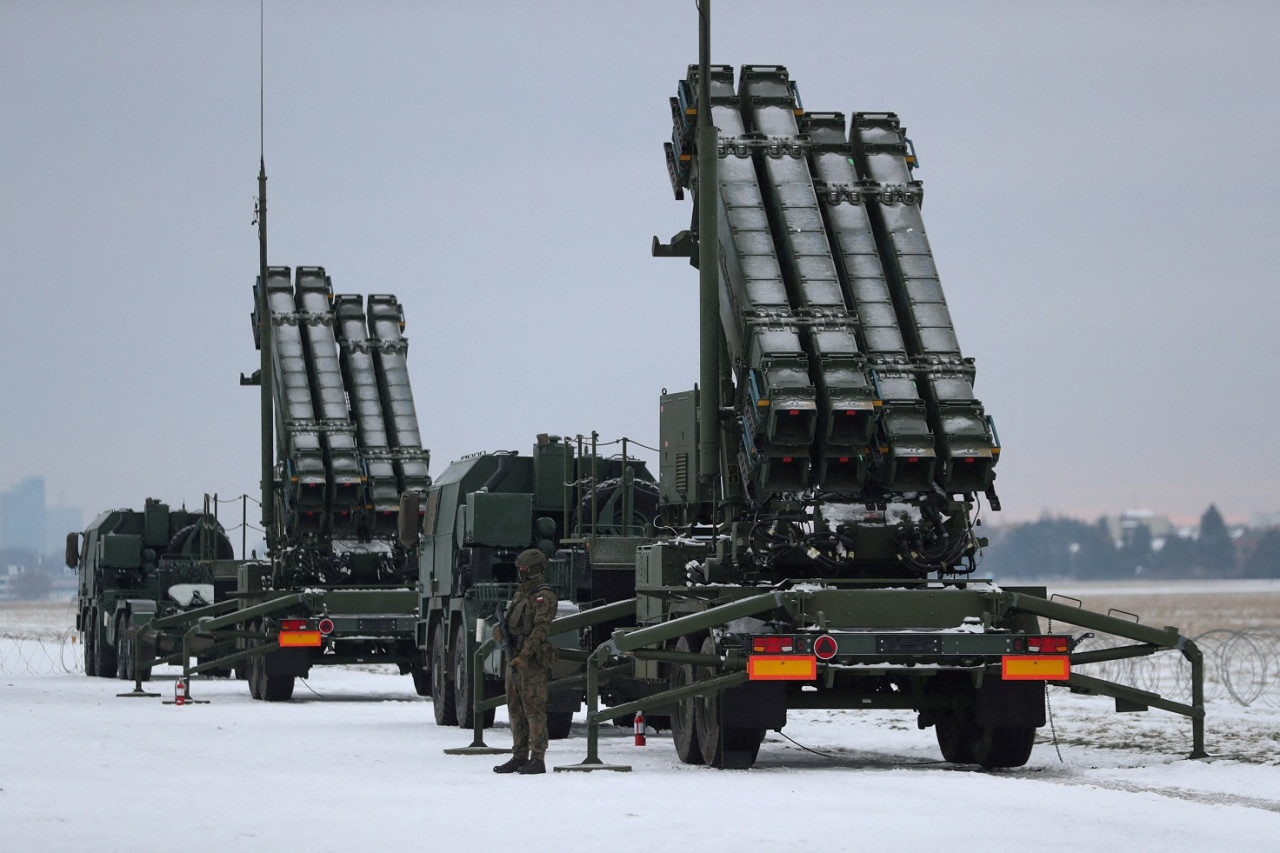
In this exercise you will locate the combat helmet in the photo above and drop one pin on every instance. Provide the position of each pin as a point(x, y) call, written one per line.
point(531, 562)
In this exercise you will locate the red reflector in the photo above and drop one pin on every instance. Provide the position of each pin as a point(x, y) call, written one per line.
point(913, 458)
point(844, 458)
point(786, 459)
point(326, 626)
point(293, 624)
point(1035, 668)
point(851, 412)
point(294, 639)
point(793, 412)
point(825, 647)
point(968, 459)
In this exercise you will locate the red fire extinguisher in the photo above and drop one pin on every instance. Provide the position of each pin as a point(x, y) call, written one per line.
point(640, 728)
point(180, 692)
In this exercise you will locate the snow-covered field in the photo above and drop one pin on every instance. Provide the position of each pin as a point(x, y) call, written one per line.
point(355, 763)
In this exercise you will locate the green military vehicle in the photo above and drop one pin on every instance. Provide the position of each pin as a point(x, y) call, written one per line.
point(341, 452)
point(586, 512)
point(136, 566)
point(338, 587)
point(823, 480)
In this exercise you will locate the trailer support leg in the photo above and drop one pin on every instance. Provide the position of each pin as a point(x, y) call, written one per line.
point(137, 692)
point(592, 761)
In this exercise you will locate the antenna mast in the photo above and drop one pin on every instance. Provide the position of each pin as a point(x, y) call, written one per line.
point(264, 310)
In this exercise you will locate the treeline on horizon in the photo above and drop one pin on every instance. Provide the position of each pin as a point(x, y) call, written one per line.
point(1070, 548)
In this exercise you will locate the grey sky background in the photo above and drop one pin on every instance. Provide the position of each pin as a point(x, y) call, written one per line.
point(1102, 197)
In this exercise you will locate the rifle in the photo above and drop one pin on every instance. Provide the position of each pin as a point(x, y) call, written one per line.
point(507, 646)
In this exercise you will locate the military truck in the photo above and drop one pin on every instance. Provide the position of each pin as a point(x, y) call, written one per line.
point(341, 450)
point(342, 467)
point(136, 566)
point(585, 511)
point(824, 477)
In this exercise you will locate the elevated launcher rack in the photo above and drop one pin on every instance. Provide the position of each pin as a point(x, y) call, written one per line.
point(827, 543)
point(348, 463)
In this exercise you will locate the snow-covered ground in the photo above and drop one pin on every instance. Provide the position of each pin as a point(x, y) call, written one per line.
point(356, 763)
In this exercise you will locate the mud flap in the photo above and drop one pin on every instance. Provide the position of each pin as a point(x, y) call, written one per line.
point(1010, 703)
point(755, 705)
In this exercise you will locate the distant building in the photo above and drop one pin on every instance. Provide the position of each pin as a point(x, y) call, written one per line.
point(58, 522)
point(1121, 527)
point(22, 516)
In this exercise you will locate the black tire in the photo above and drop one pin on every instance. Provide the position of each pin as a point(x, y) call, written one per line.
point(441, 679)
point(730, 748)
point(421, 674)
point(559, 723)
point(90, 645)
point(103, 655)
point(223, 549)
point(252, 667)
point(684, 732)
point(464, 684)
point(955, 733)
point(251, 675)
point(124, 656)
point(609, 521)
point(1003, 746)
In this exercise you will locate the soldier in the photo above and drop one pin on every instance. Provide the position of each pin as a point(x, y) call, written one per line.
point(528, 618)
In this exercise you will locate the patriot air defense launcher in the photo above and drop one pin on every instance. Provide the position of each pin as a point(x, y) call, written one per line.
point(348, 465)
point(824, 477)
point(343, 467)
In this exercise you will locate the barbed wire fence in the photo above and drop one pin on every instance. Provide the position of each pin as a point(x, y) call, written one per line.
point(1241, 666)
point(40, 651)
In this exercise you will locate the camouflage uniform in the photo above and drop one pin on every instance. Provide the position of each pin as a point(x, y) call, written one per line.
point(528, 618)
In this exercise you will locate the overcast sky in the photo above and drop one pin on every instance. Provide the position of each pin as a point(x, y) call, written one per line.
point(1102, 197)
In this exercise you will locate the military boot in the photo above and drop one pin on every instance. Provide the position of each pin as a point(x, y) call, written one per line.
point(512, 764)
point(533, 765)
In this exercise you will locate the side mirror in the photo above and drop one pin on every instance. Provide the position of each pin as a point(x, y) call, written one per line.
point(407, 521)
point(73, 550)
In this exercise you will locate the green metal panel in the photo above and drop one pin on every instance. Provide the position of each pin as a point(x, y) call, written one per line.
point(156, 525)
point(552, 469)
point(498, 519)
point(121, 551)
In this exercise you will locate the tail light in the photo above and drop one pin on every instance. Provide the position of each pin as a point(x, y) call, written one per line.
point(773, 645)
point(1046, 644)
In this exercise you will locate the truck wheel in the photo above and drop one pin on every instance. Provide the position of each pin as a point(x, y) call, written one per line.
point(252, 667)
point(441, 681)
point(730, 748)
point(124, 655)
point(558, 724)
point(956, 734)
point(464, 684)
point(90, 646)
point(276, 688)
point(421, 677)
point(684, 732)
point(1003, 746)
point(104, 656)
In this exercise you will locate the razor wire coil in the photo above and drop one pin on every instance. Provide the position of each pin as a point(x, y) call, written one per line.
point(1242, 666)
